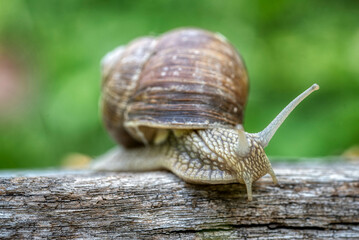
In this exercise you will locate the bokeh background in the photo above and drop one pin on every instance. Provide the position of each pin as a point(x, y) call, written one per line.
point(50, 74)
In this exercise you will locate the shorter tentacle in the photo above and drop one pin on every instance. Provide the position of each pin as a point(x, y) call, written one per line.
point(272, 174)
point(248, 182)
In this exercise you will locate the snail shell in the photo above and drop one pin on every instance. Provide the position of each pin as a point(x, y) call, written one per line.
point(184, 79)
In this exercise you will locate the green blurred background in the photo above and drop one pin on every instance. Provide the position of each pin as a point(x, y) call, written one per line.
point(50, 75)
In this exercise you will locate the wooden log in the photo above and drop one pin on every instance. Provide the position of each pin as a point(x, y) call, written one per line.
point(312, 201)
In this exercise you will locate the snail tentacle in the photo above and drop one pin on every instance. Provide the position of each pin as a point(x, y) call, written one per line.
point(267, 134)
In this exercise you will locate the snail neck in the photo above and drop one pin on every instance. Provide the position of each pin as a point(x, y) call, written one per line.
point(222, 149)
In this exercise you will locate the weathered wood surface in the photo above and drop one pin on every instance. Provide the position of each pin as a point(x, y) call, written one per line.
point(312, 201)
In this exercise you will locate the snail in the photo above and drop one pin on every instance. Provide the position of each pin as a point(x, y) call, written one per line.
point(176, 102)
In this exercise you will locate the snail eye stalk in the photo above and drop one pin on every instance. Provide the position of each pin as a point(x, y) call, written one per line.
point(266, 135)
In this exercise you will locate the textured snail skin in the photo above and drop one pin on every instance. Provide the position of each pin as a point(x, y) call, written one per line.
point(177, 102)
point(206, 156)
point(210, 157)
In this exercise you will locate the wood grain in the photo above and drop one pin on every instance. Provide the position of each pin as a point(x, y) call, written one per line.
point(312, 201)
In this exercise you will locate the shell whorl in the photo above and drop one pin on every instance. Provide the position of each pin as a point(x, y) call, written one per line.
point(121, 70)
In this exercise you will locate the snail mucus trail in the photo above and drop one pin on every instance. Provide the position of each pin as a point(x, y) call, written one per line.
point(176, 102)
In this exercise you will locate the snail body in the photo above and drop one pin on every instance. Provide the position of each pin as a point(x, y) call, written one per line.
point(177, 102)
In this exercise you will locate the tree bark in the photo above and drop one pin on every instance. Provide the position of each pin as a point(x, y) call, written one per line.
point(312, 201)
